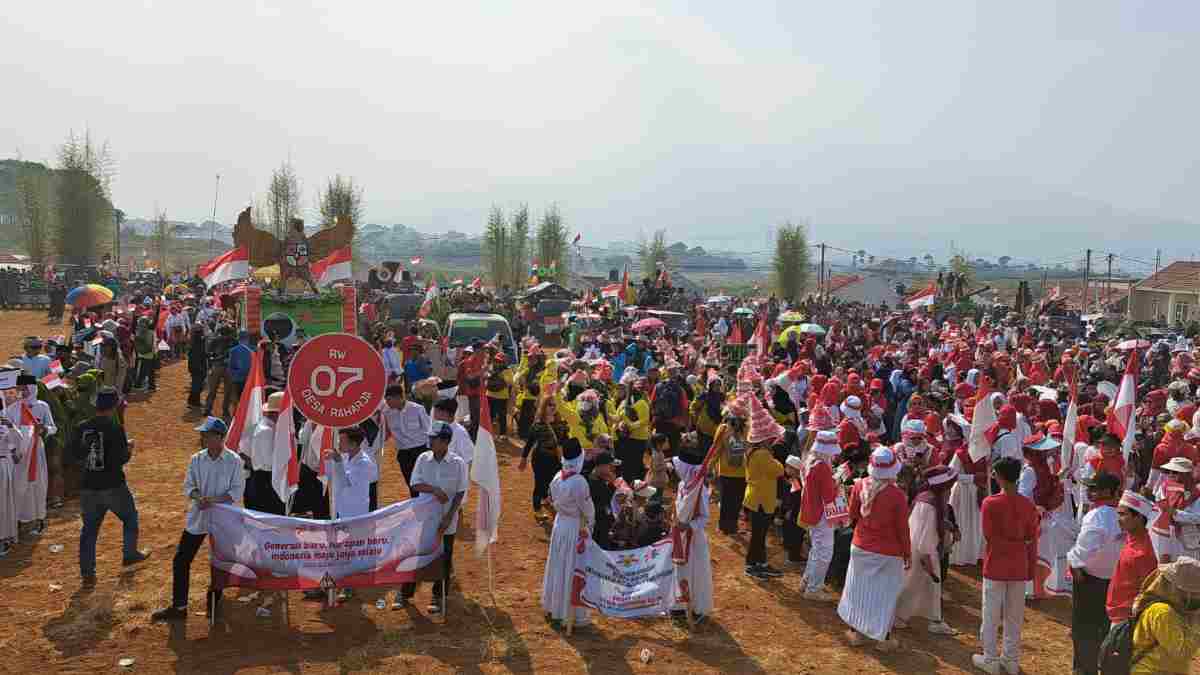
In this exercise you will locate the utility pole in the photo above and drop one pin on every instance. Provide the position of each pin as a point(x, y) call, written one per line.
point(1087, 273)
point(1157, 259)
point(821, 275)
point(212, 229)
point(118, 216)
point(1107, 284)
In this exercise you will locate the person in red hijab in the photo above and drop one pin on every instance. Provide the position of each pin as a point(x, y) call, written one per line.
point(1172, 445)
point(854, 385)
point(1154, 403)
point(1039, 372)
point(1047, 410)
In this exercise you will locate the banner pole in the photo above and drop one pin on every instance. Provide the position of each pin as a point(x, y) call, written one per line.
point(491, 577)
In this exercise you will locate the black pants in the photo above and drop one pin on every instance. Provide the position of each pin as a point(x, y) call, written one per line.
point(525, 418)
point(147, 372)
point(498, 407)
point(545, 466)
point(407, 459)
point(181, 567)
point(439, 587)
point(733, 491)
point(198, 380)
point(840, 565)
point(261, 496)
point(1089, 620)
point(632, 453)
point(373, 496)
point(673, 433)
point(760, 522)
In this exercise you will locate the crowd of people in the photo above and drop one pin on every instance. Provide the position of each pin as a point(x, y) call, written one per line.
point(885, 450)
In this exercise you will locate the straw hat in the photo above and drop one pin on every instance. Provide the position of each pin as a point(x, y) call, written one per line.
point(1179, 465)
point(1183, 573)
point(274, 402)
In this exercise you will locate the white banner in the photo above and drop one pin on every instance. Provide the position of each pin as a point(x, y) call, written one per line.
point(395, 544)
point(626, 584)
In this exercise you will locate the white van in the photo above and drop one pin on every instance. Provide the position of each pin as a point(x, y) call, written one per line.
point(464, 328)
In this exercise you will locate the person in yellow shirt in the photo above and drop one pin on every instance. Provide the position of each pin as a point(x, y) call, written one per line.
point(499, 385)
point(629, 412)
point(730, 443)
point(762, 485)
point(527, 380)
point(1165, 638)
point(584, 421)
point(706, 412)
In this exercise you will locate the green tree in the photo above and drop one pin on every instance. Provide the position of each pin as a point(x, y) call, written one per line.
point(552, 243)
point(33, 211)
point(653, 252)
point(81, 199)
point(519, 247)
point(283, 199)
point(341, 197)
point(164, 232)
point(790, 265)
point(496, 250)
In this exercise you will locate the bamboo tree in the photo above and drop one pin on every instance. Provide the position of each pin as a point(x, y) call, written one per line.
point(496, 250)
point(83, 212)
point(791, 262)
point(552, 243)
point(519, 247)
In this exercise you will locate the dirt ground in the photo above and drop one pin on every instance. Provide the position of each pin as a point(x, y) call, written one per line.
point(50, 625)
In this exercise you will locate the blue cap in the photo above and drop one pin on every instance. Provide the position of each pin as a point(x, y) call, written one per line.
point(214, 424)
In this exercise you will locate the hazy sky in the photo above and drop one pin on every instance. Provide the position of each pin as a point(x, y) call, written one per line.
point(712, 119)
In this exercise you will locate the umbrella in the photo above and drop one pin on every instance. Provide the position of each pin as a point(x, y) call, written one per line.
point(89, 295)
point(744, 311)
point(718, 299)
point(1133, 344)
point(800, 331)
point(811, 329)
point(648, 325)
point(791, 317)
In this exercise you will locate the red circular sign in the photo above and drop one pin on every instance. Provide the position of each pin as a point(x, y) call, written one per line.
point(337, 379)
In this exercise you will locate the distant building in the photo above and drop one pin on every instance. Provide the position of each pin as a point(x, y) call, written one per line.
point(1172, 295)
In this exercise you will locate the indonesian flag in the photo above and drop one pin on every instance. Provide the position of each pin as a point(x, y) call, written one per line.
point(1124, 413)
point(56, 365)
point(611, 291)
point(578, 236)
point(29, 422)
point(52, 380)
point(923, 298)
point(285, 467)
point(234, 264)
point(333, 267)
point(627, 296)
point(249, 410)
point(485, 472)
point(431, 292)
point(690, 494)
point(1070, 427)
point(982, 418)
point(415, 261)
point(477, 283)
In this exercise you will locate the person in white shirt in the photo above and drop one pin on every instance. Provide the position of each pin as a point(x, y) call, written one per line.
point(31, 495)
point(351, 473)
point(261, 495)
point(393, 365)
point(1093, 560)
point(461, 445)
point(214, 476)
point(442, 474)
point(10, 448)
point(575, 514)
point(408, 423)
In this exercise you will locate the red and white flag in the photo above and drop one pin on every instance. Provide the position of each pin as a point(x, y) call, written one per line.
point(923, 298)
point(761, 339)
point(249, 410)
point(233, 264)
point(578, 236)
point(611, 291)
point(1070, 427)
point(333, 267)
point(431, 292)
point(53, 381)
point(56, 366)
point(415, 261)
point(285, 466)
point(485, 472)
point(1123, 419)
point(477, 283)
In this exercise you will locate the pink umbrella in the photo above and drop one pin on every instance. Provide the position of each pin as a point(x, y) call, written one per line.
point(1133, 344)
point(648, 325)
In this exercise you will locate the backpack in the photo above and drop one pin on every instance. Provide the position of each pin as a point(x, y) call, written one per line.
point(1116, 652)
point(667, 402)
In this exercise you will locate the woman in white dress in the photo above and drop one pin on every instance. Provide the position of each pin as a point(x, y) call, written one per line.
point(1056, 533)
point(922, 592)
point(970, 487)
point(693, 578)
point(574, 514)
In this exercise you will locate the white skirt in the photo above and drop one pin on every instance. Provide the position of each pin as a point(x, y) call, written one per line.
point(964, 501)
point(560, 569)
point(697, 573)
point(31, 497)
point(8, 501)
point(873, 582)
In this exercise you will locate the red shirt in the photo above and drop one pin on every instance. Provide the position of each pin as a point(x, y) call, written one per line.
point(885, 531)
point(848, 435)
point(819, 490)
point(1137, 562)
point(1010, 528)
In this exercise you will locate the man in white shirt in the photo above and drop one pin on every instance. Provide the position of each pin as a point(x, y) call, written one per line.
point(214, 476)
point(442, 474)
point(261, 494)
point(351, 475)
point(1093, 561)
point(461, 445)
point(408, 423)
